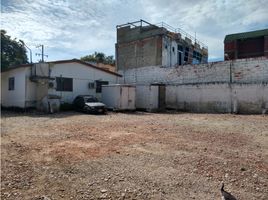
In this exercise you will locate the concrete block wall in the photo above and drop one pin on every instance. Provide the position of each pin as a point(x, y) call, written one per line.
point(212, 98)
point(139, 53)
point(253, 70)
point(250, 98)
point(128, 34)
point(239, 86)
point(177, 75)
point(250, 70)
point(218, 98)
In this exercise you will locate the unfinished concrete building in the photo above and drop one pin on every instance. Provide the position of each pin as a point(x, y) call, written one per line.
point(246, 45)
point(141, 44)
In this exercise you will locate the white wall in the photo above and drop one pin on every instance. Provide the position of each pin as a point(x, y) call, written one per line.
point(16, 97)
point(26, 91)
point(218, 98)
point(169, 57)
point(81, 75)
point(250, 98)
point(242, 71)
point(30, 90)
point(199, 97)
point(214, 87)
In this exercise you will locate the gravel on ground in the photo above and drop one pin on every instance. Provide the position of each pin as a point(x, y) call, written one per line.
point(136, 155)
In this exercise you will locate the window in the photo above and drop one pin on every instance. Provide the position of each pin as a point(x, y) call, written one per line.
point(11, 83)
point(186, 54)
point(180, 48)
point(64, 84)
point(180, 52)
point(99, 85)
point(197, 56)
point(179, 58)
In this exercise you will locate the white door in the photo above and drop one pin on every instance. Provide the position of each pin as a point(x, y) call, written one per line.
point(131, 98)
point(127, 98)
point(124, 98)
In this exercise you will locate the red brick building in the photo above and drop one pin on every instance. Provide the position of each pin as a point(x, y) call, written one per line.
point(246, 45)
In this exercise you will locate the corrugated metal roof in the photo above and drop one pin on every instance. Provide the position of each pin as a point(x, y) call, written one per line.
point(251, 34)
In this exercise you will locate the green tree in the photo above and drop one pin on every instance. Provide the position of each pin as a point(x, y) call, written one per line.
point(99, 57)
point(13, 52)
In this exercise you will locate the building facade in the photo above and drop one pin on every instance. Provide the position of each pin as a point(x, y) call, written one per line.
point(141, 44)
point(246, 45)
point(27, 85)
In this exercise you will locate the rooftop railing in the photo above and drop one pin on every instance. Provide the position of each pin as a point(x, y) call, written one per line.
point(166, 26)
point(181, 32)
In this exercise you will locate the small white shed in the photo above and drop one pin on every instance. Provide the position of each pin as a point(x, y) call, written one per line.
point(119, 97)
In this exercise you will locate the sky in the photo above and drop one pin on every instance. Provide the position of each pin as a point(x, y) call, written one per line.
point(74, 28)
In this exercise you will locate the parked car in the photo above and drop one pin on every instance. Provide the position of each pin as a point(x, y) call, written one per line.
point(89, 104)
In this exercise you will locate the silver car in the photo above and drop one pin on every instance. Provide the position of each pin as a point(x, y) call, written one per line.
point(89, 104)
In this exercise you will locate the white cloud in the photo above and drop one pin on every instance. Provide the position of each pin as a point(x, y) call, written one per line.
point(72, 28)
point(210, 19)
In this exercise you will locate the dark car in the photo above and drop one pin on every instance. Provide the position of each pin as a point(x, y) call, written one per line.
point(89, 104)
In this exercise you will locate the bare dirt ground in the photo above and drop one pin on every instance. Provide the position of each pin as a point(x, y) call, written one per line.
point(133, 156)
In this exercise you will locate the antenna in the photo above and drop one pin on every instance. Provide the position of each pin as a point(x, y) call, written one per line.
point(42, 52)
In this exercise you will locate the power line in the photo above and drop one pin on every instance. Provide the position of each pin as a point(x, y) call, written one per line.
point(42, 52)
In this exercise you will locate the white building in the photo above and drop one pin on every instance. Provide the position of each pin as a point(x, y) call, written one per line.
point(27, 85)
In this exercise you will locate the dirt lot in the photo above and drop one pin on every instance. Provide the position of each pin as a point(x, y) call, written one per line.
point(133, 156)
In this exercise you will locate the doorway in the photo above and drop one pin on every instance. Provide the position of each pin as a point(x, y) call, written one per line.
point(161, 97)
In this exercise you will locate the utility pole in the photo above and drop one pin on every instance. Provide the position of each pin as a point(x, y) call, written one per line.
point(28, 49)
point(42, 52)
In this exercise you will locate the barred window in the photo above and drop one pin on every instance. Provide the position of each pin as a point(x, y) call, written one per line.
point(64, 84)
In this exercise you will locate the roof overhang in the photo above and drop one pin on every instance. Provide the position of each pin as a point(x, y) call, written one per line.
point(64, 61)
point(246, 35)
